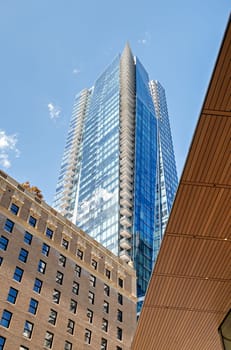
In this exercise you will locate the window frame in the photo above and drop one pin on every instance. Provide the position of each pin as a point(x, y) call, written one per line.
point(91, 297)
point(27, 331)
point(33, 306)
point(16, 274)
point(3, 243)
point(73, 306)
point(6, 318)
point(14, 209)
point(45, 249)
point(12, 295)
point(9, 225)
point(59, 277)
point(23, 255)
point(49, 233)
point(32, 221)
point(75, 288)
point(48, 340)
point(70, 326)
point(52, 318)
point(28, 238)
point(42, 267)
point(56, 300)
point(87, 336)
point(35, 288)
point(62, 260)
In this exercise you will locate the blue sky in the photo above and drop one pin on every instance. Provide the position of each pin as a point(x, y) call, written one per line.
point(51, 49)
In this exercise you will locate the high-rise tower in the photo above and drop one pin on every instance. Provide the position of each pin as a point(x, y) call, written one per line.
point(118, 174)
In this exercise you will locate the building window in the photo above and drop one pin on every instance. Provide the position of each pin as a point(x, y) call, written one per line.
point(108, 273)
point(18, 274)
point(77, 270)
point(70, 326)
point(106, 306)
point(49, 233)
point(6, 318)
point(23, 255)
point(90, 315)
point(87, 336)
point(3, 243)
point(28, 238)
point(105, 325)
point(73, 306)
point(41, 266)
point(92, 280)
point(62, 260)
point(52, 317)
point(22, 347)
point(1, 260)
point(2, 342)
point(120, 299)
point(28, 329)
point(119, 333)
point(14, 209)
point(59, 277)
point(106, 290)
point(75, 288)
point(119, 348)
point(120, 315)
point(9, 225)
point(94, 264)
point(37, 285)
point(65, 243)
point(120, 282)
point(79, 254)
point(12, 295)
point(56, 296)
point(91, 297)
point(48, 340)
point(32, 221)
point(33, 306)
point(103, 344)
point(67, 345)
point(45, 249)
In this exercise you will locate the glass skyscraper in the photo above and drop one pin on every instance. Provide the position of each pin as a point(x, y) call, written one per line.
point(118, 174)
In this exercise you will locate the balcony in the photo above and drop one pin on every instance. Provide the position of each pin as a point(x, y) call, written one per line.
point(125, 256)
point(124, 221)
point(125, 233)
point(125, 244)
point(125, 211)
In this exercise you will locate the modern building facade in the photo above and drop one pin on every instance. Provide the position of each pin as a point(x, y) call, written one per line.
point(118, 174)
point(60, 289)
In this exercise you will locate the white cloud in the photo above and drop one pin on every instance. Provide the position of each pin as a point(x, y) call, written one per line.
point(76, 71)
point(7, 146)
point(54, 111)
point(146, 39)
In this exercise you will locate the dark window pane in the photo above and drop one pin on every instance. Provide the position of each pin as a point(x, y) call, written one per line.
point(18, 274)
point(2, 342)
point(49, 233)
point(33, 306)
point(28, 329)
point(6, 317)
point(37, 285)
point(45, 249)
point(12, 295)
point(23, 255)
point(3, 243)
point(9, 225)
point(14, 209)
point(28, 238)
point(32, 221)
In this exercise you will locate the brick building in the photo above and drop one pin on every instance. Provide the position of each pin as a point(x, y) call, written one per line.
point(59, 289)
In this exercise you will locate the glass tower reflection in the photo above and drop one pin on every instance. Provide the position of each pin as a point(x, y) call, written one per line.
point(118, 174)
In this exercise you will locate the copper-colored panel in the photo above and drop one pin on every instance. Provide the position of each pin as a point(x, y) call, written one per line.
point(189, 293)
point(201, 258)
point(209, 154)
point(217, 78)
point(193, 204)
point(177, 329)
